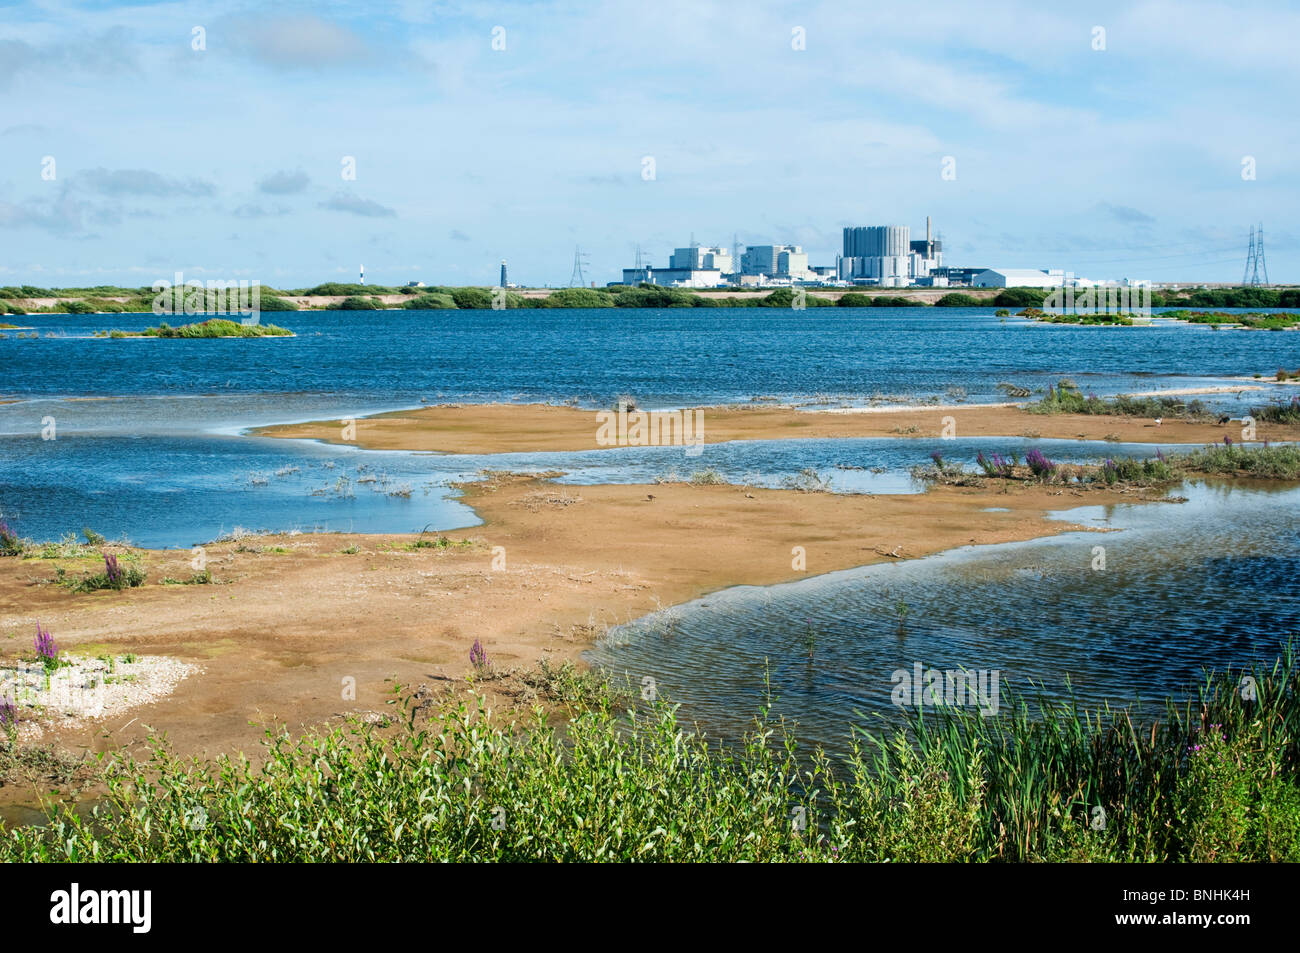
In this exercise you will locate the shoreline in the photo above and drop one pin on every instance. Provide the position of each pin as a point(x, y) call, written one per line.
point(290, 618)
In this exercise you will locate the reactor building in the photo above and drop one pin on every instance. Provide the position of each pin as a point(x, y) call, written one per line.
point(887, 255)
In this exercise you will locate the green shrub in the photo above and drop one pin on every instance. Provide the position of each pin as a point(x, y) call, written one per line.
point(431, 302)
point(580, 298)
point(472, 298)
point(854, 299)
point(1021, 297)
point(957, 300)
point(356, 303)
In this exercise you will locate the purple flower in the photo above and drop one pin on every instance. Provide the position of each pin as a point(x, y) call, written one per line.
point(1227, 441)
point(113, 571)
point(46, 650)
point(8, 712)
point(478, 656)
point(1039, 464)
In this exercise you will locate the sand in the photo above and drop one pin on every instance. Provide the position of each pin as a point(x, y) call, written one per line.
point(279, 633)
point(512, 428)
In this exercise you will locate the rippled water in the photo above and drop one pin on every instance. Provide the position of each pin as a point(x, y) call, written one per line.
point(178, 490)
point(1206, 583)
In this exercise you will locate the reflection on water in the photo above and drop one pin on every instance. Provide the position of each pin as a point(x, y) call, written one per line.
point(1186, 586)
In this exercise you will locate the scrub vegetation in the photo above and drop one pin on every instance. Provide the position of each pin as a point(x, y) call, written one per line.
point(1213, 778)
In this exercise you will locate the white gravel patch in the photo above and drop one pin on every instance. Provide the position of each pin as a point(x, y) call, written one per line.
point(86, 690)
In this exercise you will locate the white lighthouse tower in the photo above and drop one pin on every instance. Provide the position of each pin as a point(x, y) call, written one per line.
point(363, 274)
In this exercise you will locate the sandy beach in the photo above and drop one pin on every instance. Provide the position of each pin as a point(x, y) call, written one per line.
point(513, 428)
point(289, 618)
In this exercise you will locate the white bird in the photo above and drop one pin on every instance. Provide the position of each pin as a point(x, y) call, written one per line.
point(1159, 421)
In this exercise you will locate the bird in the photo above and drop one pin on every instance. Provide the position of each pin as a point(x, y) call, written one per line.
point(650, 497)
point(1224, 420)
point(1159, 421)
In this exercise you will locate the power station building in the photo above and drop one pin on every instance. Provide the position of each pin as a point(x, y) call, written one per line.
point(886, 255)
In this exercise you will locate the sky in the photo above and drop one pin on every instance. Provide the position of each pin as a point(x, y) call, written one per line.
point(291, 143)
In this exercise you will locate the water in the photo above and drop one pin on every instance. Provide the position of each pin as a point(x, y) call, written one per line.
point(155, 456)
point(1186, 586)
point(374, 359)
point(165, 489)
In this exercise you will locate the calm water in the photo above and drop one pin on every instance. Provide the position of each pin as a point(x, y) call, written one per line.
point(155, 455)
point(1186, 586)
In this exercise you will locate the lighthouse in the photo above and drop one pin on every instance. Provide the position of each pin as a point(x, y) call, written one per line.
point(503, 274)
point(363, 274)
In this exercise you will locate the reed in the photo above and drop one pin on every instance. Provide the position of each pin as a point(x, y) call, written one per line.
point(1211, 778)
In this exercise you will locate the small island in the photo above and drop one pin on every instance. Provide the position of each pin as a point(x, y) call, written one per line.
point(214, 328)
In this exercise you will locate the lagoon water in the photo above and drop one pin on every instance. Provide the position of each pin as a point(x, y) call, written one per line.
point(1204, 584)
point(157, 455)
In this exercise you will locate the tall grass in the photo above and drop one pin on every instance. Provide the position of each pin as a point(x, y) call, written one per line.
point(1213, 778)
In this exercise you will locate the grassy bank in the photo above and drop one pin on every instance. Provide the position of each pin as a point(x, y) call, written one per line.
point(1212, 779)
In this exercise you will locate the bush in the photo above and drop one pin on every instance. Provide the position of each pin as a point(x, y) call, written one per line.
point(580, 298)
point(431, 302)
point(356, 303)
point(273, 303)
point(476, 299)
point(1021, 297)
point(956, 300)
point(784, 298)
point(76, 307)
point(10, 543)
point(854, 299)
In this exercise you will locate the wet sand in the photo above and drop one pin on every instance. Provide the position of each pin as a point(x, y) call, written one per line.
point(515, 428)
point(279, 632)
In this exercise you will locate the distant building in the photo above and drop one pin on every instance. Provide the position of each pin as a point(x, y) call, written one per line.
point(415, 284)
point(674, 277)
point(886, 255)
point(504, 283)
point(776, 261)
point(1017, 278)
point(952, 275)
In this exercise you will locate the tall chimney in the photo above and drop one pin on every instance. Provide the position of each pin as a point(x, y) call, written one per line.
point(927, 229)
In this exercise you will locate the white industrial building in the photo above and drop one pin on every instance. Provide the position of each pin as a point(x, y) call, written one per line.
point(1021, 278)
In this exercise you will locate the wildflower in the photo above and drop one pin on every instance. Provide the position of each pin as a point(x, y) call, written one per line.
point(46, 650)
point(112, 570)
point(478, 656)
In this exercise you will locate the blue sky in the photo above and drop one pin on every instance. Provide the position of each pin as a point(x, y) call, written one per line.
point(227, 162)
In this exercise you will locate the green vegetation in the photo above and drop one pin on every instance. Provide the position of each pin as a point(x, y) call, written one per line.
point(1021, 297)
point(1287, 413)
point(854, 299)
point(431, 302)
point(1214, 778)
point(1078, 317)
point(214, 328)
point(1257, 321)
point(957, 300)
point(580, 298)
point(1066, 398)
point(1269, 462)
point(356, 303)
